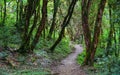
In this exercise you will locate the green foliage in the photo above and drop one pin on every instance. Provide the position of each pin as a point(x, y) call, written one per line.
point(81, 57)
point(99, 53)
point(62, 50)
point(107, 64)
point(9, 36)
point(24, 72)
point(3, 72)
point(5, 33)
point(30, 72)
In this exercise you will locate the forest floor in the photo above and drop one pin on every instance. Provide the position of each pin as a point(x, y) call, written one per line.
point(37, 64)
point(69, 66)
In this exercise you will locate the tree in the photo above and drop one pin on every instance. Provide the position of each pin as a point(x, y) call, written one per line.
point(56, 3)
point(4, 15)
point(91, 43)
point(41, 26)
point(30, 9)
point(64, 24)
point(112, 42)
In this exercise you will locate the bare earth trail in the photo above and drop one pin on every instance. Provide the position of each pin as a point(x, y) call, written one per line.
point(68, 65)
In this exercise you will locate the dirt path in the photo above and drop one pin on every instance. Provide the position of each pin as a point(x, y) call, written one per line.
point(69, 66)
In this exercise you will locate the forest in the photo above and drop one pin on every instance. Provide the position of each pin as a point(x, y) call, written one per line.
point(59, 37)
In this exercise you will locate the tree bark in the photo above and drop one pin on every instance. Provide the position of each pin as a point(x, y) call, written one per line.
point(86, 30)
point(56, 2)
point(41, 26)
point(30, 9)
point(64, 24)
point(4, 15)
point(109, 43)
point(97, 30)
point(91, 45)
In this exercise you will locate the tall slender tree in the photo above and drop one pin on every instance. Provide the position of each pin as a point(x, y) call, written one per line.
point(64, 24)
point(56, 3)
point(29, 10)
point(91, 43)
point(41, 26)
point(4, 14)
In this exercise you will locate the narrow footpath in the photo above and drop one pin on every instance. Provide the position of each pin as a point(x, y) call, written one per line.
point(68, 65)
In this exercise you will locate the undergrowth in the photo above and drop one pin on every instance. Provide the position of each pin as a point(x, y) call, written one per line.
point(103, 65)
point(44, 60)
point(81, 57)
point(24, 72)
point(62, 50)
point(107, 65)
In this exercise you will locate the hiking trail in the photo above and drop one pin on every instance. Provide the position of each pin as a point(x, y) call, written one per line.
point(69, 65)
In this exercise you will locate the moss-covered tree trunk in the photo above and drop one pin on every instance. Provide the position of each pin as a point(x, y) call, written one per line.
point(41, 26)
point(86, 30)
point(91, 44)
point(56, 3)
point(64, 24)
point(29, 10)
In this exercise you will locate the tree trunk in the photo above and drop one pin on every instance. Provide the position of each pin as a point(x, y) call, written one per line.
point(97, 30)
point(41, 26)
point(17, 10)
point(58, 40)
point(4, 15)
point(109, 43)
point(86, 30)
point(56, 3)
point(91, 45)
point(30, 9)
point(64, 24)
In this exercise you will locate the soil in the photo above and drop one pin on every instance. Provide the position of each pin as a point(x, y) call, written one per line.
point(69, 66)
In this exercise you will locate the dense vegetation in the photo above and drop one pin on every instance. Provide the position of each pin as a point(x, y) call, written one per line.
point(40, 31)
